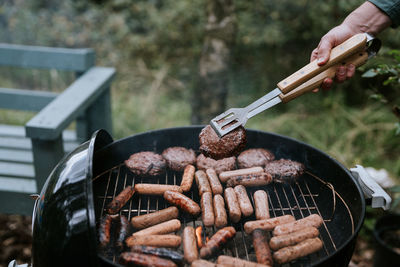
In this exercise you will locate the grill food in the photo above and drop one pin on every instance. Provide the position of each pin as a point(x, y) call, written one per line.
point(254, 157)
point(221, 218)
point(281, 241)
point(105, 230)
point(226, 175)
point(232, 205)
point(183, 202)
point(217, 241)
point(313, 220)
point(202, 182)
point(160, 252)
point(226, 164)
point(302, 249)
point(147, 220)
point(123, 226)
point(166, 241)
point(257, 179)
point(244, 201)
point(146, 163)
point(178, 158)
point(261, 205)
point(284, 170)
point(119, 201)
point(161, 228)
point(261, 247)
point(232, 261)
point(214, 181)
point(207, 210)
point(189, 244)
point(187, 178)
point(267, 224)
point(156, 189)
point(138, 259)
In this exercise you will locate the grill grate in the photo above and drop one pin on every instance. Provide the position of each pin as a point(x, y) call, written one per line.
point(300, 199)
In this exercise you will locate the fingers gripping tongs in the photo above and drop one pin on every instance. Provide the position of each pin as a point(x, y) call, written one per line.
point(356, 50)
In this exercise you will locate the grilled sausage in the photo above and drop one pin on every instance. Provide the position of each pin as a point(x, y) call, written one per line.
point(147, 220)
point(217, 241)
point(313, 220)
point(213, 179)
point(189, 244)
point(138, 259)
point(202, 182)
point(156, 189)
point(202, 263)
point(231, 261)
point(105, 230)
point(161, 228)
point(244, 201)
point(207, 210)
point(261, 205)
point(120, 200)
point(183, 202)
point(225, 176)
point(221, 218)
point(261, 247)
point(281, 241)
point(232, 204)
point(302, 249)
point(167, 241)
point(249, 180)
point(122, 231)
point(187, 178)
point(267, 224)
point(160, 252)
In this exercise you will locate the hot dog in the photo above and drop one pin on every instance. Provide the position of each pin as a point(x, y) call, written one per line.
point(225, 176)
point(257, 179)
point(156, 189)
point(147, 220)
point(261, 205)
point(138, 259)
point(122, 231)
point(213, 179)
point(202, 263)
point(187, 178)
point(120, 200)
point(160, 252)
point(161, 228)
point(202, 182)
point(232, 204)
point(167, 241)
point(231, 261)
point(221, 218)
point(182, 202)
point(313, 220)
point(105, 230)
point(217, 241)
point(267, 224)
point(207, 210)
point(281, 241)
point(302, 249)
point(189, 244)
point(244, 201)
point(261, 247)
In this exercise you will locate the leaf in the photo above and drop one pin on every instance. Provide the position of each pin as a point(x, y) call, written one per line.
point(369, 73)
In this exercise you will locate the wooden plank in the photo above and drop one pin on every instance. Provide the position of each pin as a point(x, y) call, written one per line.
point(19, 131)
point(24, 144)
point(16, 170)
point(18, 185)
point(56, 116)
point(26, 100)
point(12, 155)
point(47, 57)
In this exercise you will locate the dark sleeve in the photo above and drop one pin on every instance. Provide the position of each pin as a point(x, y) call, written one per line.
point(391, 8)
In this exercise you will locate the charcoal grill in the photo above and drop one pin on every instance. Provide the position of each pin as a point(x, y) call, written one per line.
point(326, 188)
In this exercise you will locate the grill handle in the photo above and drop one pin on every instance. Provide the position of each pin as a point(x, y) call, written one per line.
point(372, 190)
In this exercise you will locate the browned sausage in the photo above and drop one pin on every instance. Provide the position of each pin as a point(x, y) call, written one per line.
point(189, 244)
point(202, 182)
point(122, 231)
point(167, 241)
point(202, 263)
point(221, 218)
point(302, 249)
point(267, 224)
point(225, 176)
point(105, 230)
point(313, 220)
point(161, 228)
point(232, 204)
point(183, 202)
point(138, 259)
point(215, 184)
point(281, 241)
point(207, 210)
point(156, 189)
point(249, 180)
point(160, 252)
point(231, 261)
point(244, 201)
point(261, 247)
point(217, 241)
point(187, 178)
point(120, 200)
point(261, 205)
point(147, 220)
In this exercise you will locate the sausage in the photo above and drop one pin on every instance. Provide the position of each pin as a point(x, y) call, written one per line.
point(281, 241)
point(167, 241)
point(244, 201)
point(138, 259)
point(147, 220)
point(120, 200)
point(215, 184)
point(261, 247)
point(183, 202)
point(231, 261)
point(261, 205)
point(190, 251)
point(122, 231)
point(225, 176)
point(302, 249)
point(187, 178)
point(207, 210)
point(202, 182)
point(105, 230)
point(313, 220)
point(221, 218)
point(161, 228)
point(217, 241)
point(257, 179)
point(267, 224)
point(232, 204)
point(202, 263)
point(160, 252)
point(156, 189)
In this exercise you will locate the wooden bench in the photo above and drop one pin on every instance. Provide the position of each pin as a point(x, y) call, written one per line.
point(29, 153)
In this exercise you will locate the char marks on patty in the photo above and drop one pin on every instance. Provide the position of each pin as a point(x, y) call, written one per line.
point(254, 157)
point(284, 170)
point(178, 158)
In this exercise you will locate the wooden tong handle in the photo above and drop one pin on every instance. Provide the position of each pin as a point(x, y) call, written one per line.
point(349, 47)
point(357, 59)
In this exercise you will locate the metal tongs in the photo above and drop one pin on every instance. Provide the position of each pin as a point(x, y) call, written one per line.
point(356, 50)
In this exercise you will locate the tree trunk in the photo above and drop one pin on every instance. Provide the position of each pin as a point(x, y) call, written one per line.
point(211, 90)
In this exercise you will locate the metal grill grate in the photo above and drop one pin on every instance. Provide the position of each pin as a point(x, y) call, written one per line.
point(299, 199)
